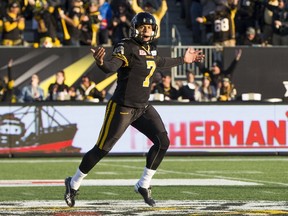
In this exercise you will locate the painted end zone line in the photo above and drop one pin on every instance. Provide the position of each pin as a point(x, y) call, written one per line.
point(129, 182)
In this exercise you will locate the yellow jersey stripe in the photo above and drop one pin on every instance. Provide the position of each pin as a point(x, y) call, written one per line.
point(123, 58)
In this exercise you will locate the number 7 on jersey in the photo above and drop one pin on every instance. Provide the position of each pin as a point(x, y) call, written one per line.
point(151, 66)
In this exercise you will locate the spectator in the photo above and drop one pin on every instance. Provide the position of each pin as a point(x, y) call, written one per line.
point(279, 23)
point(72, 93)
point(217, 72)
point(115, 5)
point(150, 7)
point(157, 79)
point(251, 38)
point(47, 27)
point(223, 24)
point(73, 18)
point(195, 11)
point(187, 91)
point(87, 91)
point(90, 25)
point(106, 18)
point(59, 90)
point(32, 92)
point(166, 88)
point(206, 92)
point(226, 90)
point(13, 26)
point(9, 91)
point(245, 16)
point(121, 23)
point(208, 6)
point(267, 21)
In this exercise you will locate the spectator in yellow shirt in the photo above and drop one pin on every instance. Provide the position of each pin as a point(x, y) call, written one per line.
point(13, 25)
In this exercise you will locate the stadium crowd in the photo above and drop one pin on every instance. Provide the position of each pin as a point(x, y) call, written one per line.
point(56, 23)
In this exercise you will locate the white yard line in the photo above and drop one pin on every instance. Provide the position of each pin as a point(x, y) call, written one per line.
point(224, 177)
point(128, 182)
point(199, 174)
point(142, 159)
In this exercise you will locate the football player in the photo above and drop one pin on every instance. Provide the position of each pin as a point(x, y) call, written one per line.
point(135, 61)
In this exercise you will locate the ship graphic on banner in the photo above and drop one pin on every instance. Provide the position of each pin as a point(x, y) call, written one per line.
point(36, 129)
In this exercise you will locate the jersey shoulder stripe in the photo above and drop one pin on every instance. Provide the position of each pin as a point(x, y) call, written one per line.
point(122, 50)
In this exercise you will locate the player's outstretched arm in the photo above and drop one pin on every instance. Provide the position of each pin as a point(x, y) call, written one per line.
point(191, 55)
point(108, 66)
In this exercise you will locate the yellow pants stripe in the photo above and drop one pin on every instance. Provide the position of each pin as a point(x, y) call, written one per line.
point(107, 123)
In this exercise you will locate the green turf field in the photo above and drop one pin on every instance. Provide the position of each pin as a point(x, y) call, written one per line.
point(269, 173)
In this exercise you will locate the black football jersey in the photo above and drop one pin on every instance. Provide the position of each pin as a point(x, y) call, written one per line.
point(223, 25)
point(135, 74)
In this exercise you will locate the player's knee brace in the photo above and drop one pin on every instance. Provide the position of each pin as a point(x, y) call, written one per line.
point(162, 140)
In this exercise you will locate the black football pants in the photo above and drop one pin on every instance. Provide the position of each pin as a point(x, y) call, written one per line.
point(117, 119)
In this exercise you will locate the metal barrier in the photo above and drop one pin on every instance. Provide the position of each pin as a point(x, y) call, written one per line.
point(180, 71)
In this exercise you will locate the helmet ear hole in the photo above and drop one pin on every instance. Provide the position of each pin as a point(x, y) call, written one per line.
point(153, 33)
point(136, 32)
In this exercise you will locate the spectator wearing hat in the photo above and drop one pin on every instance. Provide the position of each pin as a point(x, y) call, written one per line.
point(226, 90)
point(188, 90)
point(206, 92)
point(151, 8)
point(217, 72)
point(251, 38)
point(13, 26)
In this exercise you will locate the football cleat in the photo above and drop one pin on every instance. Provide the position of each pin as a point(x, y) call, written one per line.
point(70, 194)
point(146, 194)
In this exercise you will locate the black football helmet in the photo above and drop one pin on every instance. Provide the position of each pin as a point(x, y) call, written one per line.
point(143, 18)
